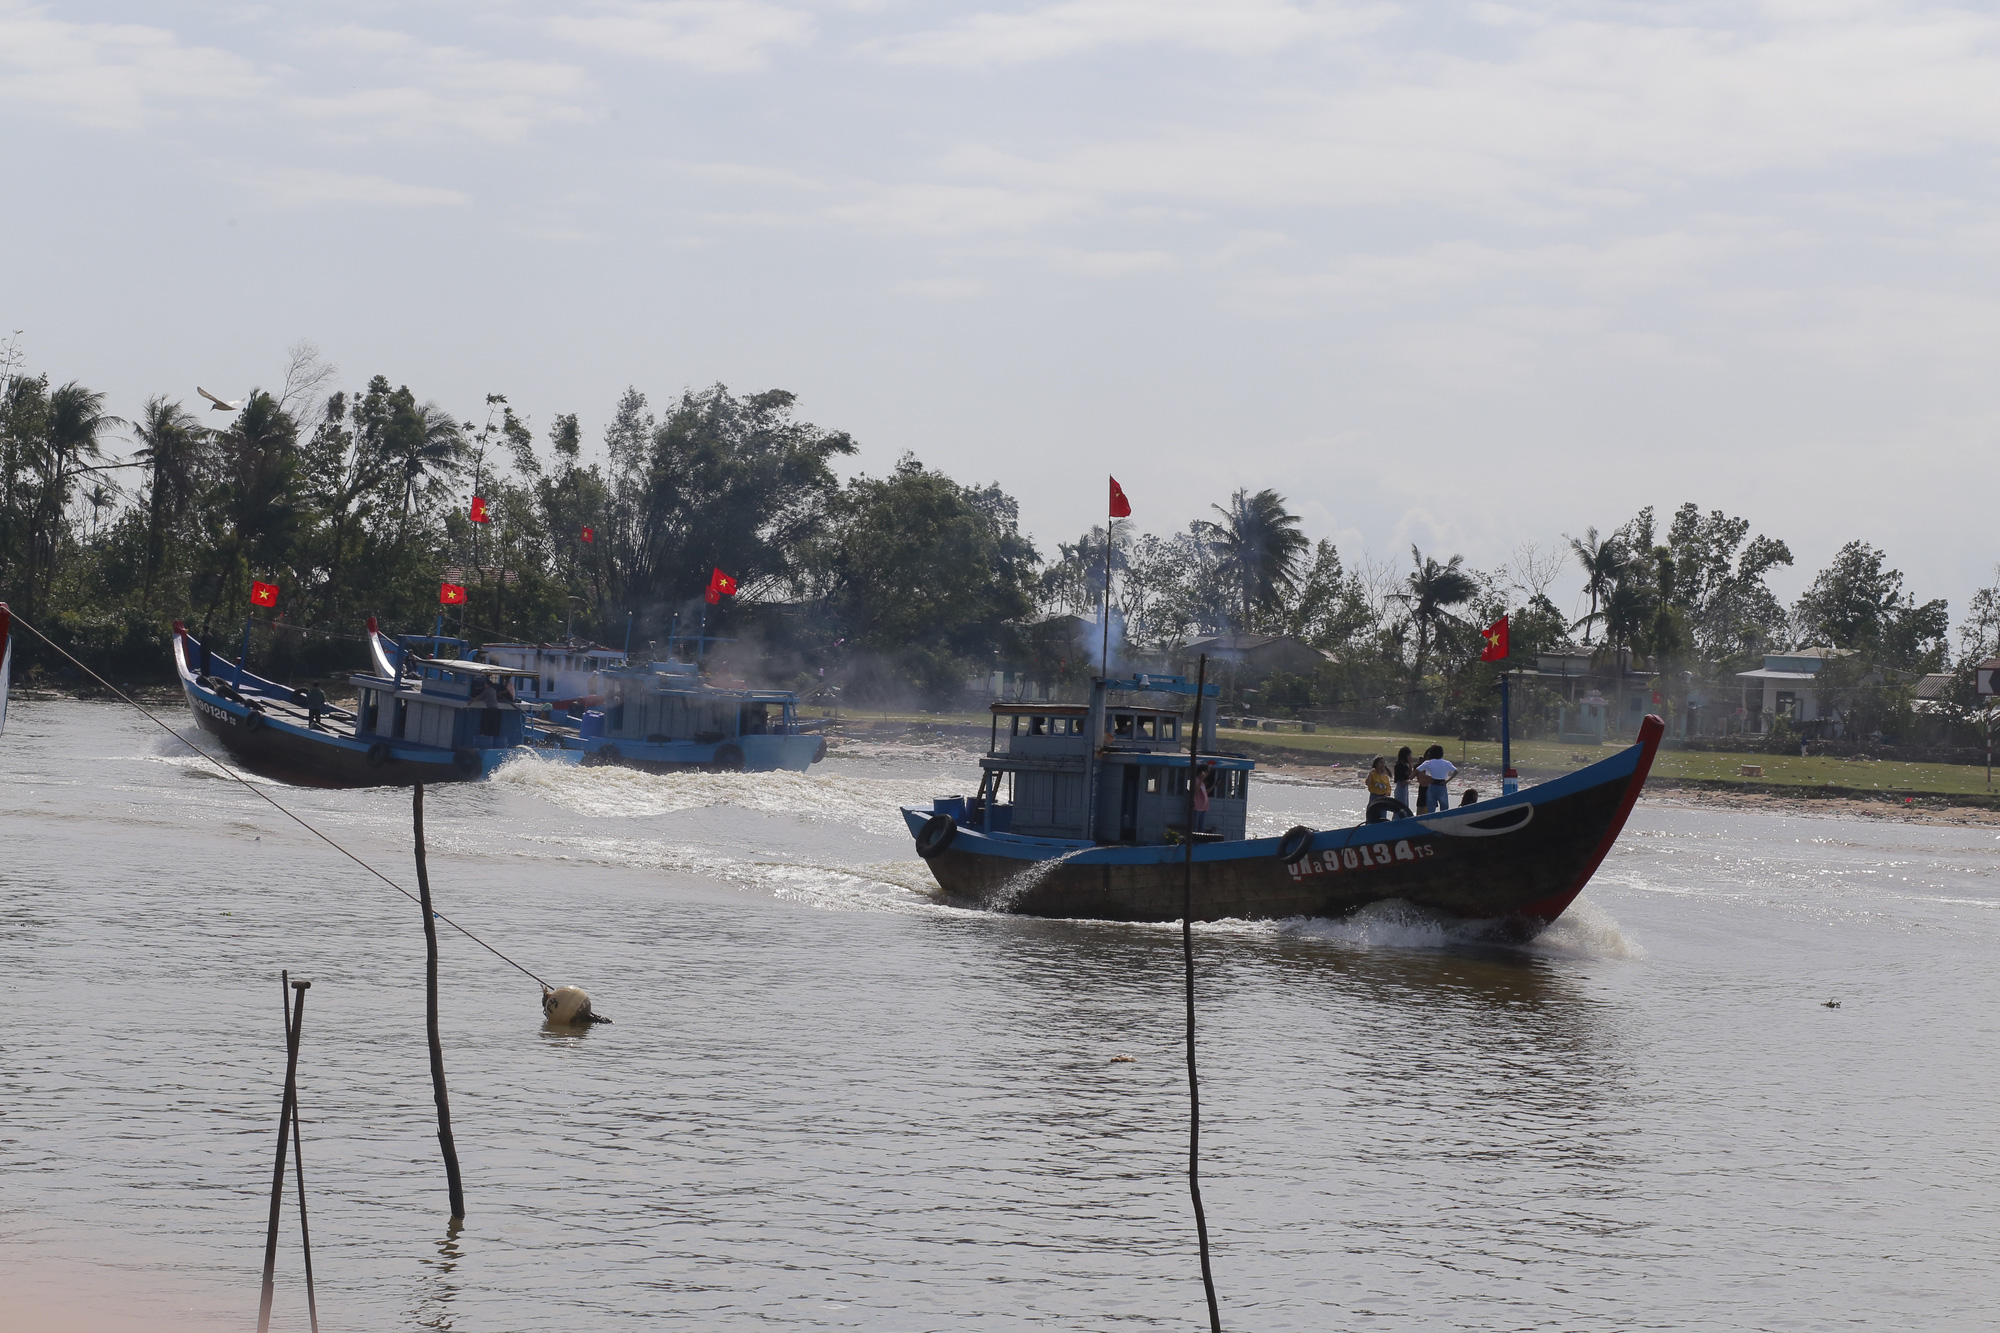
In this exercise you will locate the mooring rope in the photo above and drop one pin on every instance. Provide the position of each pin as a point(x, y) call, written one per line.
point(250, 786)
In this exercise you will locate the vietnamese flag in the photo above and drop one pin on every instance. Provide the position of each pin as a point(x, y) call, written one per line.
point(450, 594)
point(1120, 506)
point(263, 594)
point(1495, 635)
point(479, 514)
point(720, 585)
point(589, 536)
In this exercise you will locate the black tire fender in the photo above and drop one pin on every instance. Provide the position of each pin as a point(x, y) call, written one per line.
point(1295, 842)
point(607, 754)
point(819, 751)
point(299, 698)
point(729, 758)
point(255, 721)
point(466, 762)
point(934, 839)
point(379, 754)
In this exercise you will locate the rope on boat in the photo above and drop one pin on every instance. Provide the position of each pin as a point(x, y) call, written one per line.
point(250, 786)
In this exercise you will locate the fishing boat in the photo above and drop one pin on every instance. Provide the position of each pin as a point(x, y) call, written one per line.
point(1080, 813)
point(666, 715)
point(423, 719)
point(658, 717)
point(560, 675)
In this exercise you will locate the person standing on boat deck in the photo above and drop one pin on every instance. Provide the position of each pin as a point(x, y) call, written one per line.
point(1402, 776)
point(1438, 771)
point(1382, 805)
point(1200, 797)
point(315, 705)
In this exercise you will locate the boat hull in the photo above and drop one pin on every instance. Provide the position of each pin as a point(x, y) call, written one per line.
point(1520, 860)
point(275, 747)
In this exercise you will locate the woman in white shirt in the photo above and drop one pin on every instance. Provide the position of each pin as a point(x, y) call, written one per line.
point(1440, 771)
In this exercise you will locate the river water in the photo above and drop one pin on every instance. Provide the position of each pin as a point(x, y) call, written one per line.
point(829, 1103)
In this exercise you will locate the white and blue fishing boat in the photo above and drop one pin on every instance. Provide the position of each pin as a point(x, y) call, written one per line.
point(425, 718)
point(665, 716)
point(557, 677)
point(1080, 813)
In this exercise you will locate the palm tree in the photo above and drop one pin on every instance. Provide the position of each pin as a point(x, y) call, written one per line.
point(260, 503)
point(1603, 563)
point(68, 447)
point(174, 448)
point(428, 448)
point(1432, 590)
point(1259, 548)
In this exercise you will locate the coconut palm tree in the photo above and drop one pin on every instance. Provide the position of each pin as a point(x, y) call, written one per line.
point(425, 452)
point(1431, 591)
point(1259, 548)
point(1603, 562)
point(68, 447)
point(175, 449)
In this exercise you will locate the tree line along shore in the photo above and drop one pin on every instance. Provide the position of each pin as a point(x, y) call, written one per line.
point(903, 588)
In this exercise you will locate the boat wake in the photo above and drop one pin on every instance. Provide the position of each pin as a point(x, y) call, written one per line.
point(1584, 931)
point(863, 803)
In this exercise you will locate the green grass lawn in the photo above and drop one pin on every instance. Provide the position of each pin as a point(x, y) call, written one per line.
point(1546, 759)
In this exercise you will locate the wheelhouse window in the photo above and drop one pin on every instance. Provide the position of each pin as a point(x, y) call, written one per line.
point(1121, 725)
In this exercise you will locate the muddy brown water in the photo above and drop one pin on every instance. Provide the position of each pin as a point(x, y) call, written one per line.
point(828, 1102)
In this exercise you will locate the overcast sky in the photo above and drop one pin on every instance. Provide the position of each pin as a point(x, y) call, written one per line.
point(1463, 275)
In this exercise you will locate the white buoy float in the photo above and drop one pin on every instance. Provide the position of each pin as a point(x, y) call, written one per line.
point(569, 1007)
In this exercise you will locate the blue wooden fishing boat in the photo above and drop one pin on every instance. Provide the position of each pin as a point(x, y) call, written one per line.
point(1080, 813)
point(656, 717)
point(665, 716)
point(423, 719)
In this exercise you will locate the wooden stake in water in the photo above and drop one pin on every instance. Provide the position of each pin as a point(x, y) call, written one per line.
point(438, 1090)
point(294, 1024)
point(1187, 959)
point(299, 1169)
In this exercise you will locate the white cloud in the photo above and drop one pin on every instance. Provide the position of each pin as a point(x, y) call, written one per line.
point(1074, 27)
point(400, 87)
point(1563, 119)
point(951, 210)
point(305, 188)
point(943, 289)
point(721, 35)
point(111, 75)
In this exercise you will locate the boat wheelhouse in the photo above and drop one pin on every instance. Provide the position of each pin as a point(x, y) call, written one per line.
point(427, 719)
point(561, 675)
point(1082, 813)
point(1043, 778)
point(665, 715)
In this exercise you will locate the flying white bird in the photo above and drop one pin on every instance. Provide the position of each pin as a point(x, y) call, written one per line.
point(220, 406)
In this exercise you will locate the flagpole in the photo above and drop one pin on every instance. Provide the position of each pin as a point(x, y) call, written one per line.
point(242, 656)
point(1508, 784)
point(1105, 657)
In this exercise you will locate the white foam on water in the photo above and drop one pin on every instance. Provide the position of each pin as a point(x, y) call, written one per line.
point(868, 804)
point(1584, 931)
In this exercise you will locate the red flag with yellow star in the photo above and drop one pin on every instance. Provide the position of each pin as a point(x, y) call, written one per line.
point(1495, 635)
point(479, 514)
point(1120, 506)
point(263, 594)
point(450, 594)
point(720, 585)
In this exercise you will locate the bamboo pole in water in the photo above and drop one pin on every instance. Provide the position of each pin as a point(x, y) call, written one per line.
point(294, 1023)
point(438, 1090)
point(1187, 959)
point(299, 1174)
